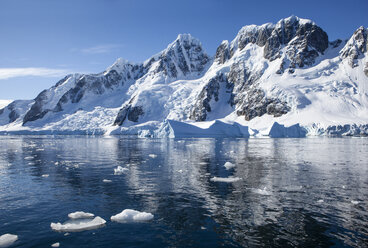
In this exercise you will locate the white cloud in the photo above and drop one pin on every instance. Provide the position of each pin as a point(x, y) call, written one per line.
point(6, 73)
point(107, 48)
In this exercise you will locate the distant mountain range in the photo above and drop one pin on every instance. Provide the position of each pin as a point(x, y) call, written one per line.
point(282, 80)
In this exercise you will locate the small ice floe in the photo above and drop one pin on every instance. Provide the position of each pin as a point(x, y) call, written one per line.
point(55, 244)
point(78, 225)
point(355, 202)
point(130, 215)
point(343, 187)
point(40, 150)
point(66, 234)
point(7, 239)
point(225, 179)
point(45, 175)
point(31, 163)
point(120, 170)
point(106, 181)
point(80, 215)
point(152, 155)
point(263, 191)
point(203, 228)
point(56, 163)
point(29, 158)
point(320, 201)
point(229, 165)
point(203, 163)
point(180, 171)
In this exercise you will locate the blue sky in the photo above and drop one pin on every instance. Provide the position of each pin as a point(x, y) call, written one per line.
point(43, 40)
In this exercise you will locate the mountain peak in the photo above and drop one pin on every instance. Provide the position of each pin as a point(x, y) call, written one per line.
point(295, 19)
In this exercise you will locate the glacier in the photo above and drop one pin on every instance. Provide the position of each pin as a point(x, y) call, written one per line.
point(274, 80)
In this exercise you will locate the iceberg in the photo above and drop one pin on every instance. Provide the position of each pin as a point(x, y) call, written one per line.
point(229, 165)
point(78, 225)
point(80, 215)
point(120, 170)
point(225, 179)
point(177, 129)
point(280, 131)
point(7, 240)
point(130, 215)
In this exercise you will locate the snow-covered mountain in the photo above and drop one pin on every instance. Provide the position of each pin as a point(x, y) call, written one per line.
point(283, 80)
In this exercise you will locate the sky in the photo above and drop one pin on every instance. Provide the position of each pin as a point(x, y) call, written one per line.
point(41, 41)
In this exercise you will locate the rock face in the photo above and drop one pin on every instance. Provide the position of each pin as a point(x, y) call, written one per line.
point(249, 99)
point(209, 92)
point(183, 57)
point(356, 46)
point(130, 113)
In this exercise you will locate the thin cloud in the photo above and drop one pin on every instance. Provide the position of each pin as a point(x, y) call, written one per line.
point(6, 73)
point(100, 49)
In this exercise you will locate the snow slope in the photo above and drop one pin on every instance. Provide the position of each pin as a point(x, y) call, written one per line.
point(278, 80)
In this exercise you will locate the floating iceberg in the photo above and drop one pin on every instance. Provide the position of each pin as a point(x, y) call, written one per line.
point(130, 215)
point(106, 181)
point(225, 179)
point(263, 191)
point(120, 170)
point(229, 165)
point(177, 129)
point(77, 225)
point(152, 155)
point(280, 131)
point(80, 215)
point(7, 240)
point(55, 244)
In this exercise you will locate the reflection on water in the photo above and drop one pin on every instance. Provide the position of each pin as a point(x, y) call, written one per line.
point(292, 192)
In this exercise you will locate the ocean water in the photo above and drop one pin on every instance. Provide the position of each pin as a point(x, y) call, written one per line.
point(310, 192)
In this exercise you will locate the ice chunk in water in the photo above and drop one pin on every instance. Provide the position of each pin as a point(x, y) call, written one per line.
point(225, 179)
point(55, 244)
point(7, 240)
point(152, 155)
point(229, 165)
point(263, 191)
point(355, 202)
point(129, 215)
point(106, 181)
point(80, 215)
point(77, 225)
point(45, 175)
point(120, 170)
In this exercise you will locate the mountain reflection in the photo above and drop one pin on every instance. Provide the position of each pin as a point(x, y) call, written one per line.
point(292, 192)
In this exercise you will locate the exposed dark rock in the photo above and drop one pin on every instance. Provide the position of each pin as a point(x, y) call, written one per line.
point(185, 55)
point(13, 115)
point(254, 34)
point(335, 43)
point(2, 111)
point(132, 113)
point(304, 42)
point(223, 52)
point(255, 103)
point(210, 91)
point(37, 112)
point(347, 130)
point(366, 69)
point(355, 47)
point(249, 99)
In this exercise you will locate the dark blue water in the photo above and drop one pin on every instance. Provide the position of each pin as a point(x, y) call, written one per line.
point(277, 203)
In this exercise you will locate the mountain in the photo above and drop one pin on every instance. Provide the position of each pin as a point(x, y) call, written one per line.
point(282, 80)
